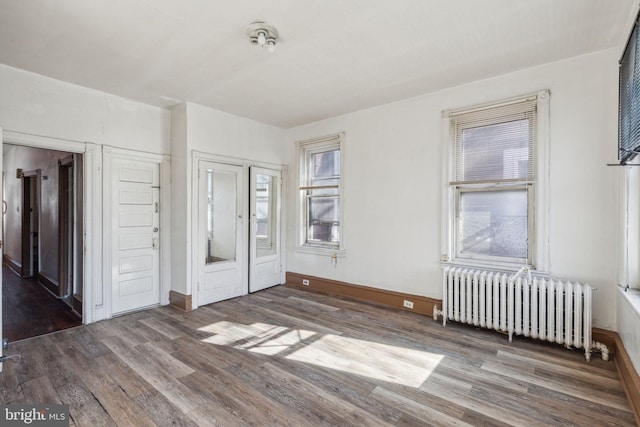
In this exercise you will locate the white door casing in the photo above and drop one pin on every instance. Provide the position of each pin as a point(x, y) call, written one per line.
point(265, 266)
point(91, 206)
point(220, 243)
point(135, 238)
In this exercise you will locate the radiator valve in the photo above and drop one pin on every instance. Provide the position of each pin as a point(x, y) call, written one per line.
point(437, 312)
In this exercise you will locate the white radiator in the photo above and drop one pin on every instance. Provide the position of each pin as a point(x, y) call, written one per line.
point(549, 310)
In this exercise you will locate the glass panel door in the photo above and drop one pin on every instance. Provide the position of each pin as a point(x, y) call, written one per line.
point(222, 269)
point(264, 262)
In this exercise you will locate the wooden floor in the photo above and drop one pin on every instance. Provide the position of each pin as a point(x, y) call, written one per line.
point(290, 357)
point(29, 310)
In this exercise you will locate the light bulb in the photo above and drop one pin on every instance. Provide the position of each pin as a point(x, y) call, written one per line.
point(271, 44)
point(261, 38)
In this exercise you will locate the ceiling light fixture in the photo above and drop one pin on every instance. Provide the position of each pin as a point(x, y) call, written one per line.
point(263, 34)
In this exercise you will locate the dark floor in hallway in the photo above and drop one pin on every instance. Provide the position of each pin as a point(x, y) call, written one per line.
point(29, 310)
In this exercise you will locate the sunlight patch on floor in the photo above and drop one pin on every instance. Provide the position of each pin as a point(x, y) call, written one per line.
point(379, 361)
point(359, 357)
point(258, 337)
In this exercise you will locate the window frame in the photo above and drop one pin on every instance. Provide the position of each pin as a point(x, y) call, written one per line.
point(537, 191)
point(306, 149)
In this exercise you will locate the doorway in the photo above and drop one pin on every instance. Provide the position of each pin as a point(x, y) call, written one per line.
point(42, 222)
point(30, 222)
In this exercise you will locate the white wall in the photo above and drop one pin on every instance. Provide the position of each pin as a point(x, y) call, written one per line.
point(34, 106)
point(393, 169)
point(216, 132)
point(180, 200)
point(202, 129)
point(38, 105)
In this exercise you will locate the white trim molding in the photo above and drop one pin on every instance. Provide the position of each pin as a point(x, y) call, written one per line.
point(93, 291)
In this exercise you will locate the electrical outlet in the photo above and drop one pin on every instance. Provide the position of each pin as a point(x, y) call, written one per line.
point(408, 304)
point(305, 282)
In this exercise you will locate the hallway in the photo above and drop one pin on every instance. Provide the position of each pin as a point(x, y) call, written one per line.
point(28, 310)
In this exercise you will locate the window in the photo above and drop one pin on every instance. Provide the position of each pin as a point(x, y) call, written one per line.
point(493, 182)
point(320, 165)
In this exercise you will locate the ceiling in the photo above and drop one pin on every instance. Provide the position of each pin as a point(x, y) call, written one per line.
point(334, 56)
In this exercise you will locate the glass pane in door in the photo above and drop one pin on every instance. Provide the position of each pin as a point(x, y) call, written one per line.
point(221, 216)
point(265, 214)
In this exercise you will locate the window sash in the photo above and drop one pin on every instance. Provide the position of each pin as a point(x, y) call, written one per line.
point(459, 254)
point(330, 223)
point(503, 120)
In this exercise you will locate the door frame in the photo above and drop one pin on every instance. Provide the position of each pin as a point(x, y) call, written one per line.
point(108, 154)
point(92, 212)
point(193, 268)
point(67, 232)
point(32, 179)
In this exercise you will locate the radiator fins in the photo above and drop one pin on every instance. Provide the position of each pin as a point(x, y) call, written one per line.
point(554, 311)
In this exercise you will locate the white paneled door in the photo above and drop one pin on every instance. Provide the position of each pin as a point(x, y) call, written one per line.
point(221, 245)
point(265, 266)
point(136, 236)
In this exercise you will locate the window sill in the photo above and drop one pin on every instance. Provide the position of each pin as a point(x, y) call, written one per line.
point(632, 296)
point(339, 253)
point(500, 267)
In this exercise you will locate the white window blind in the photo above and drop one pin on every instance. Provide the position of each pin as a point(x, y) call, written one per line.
point(495, 144)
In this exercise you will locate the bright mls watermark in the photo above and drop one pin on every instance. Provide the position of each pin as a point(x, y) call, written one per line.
point(34, 415)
